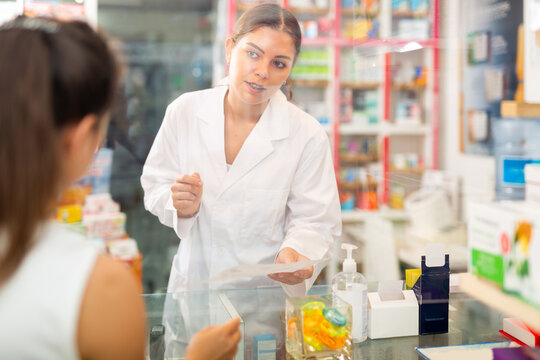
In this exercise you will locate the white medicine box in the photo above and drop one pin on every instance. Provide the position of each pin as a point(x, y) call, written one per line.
point(392, 318)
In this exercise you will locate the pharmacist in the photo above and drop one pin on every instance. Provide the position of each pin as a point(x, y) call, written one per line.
point(241, 174)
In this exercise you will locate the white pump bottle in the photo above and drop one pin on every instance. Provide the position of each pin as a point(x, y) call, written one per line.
point(351, 287)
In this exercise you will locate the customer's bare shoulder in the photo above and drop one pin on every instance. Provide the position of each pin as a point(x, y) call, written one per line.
point(112, 321)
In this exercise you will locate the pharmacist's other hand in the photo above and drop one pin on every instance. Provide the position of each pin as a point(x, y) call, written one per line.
point(288, 255)
point(186, 193)
point(215, 342)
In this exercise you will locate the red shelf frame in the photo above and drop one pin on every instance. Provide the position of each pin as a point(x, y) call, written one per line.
point(337, 43)
point(436, 84)
point(337, 88)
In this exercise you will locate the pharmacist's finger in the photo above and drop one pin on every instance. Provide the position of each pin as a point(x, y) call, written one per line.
point(184, 195)
point(304, 273)
point(181, 187)
point(190, 179)
point(286, 278)
point(184, 204)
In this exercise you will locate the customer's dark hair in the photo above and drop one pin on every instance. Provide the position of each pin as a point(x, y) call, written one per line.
point(274, 17)
point(52, 74)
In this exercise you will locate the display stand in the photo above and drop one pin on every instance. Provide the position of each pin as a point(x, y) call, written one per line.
point(493, 296)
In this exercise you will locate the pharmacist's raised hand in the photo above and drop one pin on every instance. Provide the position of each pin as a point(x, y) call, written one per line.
point(288, 255)
point(186, 194)
point(215, 342)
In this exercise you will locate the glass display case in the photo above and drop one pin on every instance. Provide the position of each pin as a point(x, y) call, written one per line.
point(167, 49)
point(174, 318)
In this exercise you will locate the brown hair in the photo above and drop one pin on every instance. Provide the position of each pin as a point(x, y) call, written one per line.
point(52, 74)
point(275, 17)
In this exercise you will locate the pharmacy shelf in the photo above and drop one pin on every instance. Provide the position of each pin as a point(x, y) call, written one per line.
point(360, 85)
point(357, 158)
point(493, 296)
point(243, 7)
point(319, 41)
point(417, 170)
point(386, 49)
point(412, 87)
point(315, 11)
point(384, 129)
point(409, 15)
point(359, 12)
point(374, 42)
point(310, 83)
point(405, 130)
point(349, 129)
point(362, 215)
point(391, 44)
point(357, 185)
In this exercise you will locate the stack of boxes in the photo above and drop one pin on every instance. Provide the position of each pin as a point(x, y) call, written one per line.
point(88, 206)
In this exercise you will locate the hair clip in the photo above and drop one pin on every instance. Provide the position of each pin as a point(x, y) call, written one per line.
point(27, 23)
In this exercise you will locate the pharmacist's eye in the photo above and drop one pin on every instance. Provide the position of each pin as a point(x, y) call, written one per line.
point(279, 64)
point(252, 54)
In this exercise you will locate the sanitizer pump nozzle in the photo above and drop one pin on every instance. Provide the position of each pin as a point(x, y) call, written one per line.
point(349, 265)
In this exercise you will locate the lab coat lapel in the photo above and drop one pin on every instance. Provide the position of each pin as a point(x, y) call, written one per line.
point(212, 132)
point(273, 125)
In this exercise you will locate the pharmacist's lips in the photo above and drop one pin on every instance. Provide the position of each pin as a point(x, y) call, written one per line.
point(256, 86)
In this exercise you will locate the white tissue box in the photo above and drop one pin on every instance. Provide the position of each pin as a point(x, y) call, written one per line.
point(392, 318)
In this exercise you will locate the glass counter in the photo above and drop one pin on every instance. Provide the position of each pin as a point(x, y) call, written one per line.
point(174, 318)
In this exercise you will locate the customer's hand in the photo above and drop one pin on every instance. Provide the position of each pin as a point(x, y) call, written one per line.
point(288, 255)
point(215, 342)
point(186, 194)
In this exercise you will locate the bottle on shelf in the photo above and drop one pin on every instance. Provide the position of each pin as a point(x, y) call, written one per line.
point(515, 144)
point(366, 198)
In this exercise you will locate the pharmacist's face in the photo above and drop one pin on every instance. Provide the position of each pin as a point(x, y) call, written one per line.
point(260, 62)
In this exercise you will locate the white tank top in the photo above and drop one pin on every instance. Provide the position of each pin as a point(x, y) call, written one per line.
point(40, 303)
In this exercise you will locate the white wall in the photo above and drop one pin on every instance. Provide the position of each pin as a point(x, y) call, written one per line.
point(477, 173)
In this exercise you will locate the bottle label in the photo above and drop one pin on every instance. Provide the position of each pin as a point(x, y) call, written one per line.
point(356, 296)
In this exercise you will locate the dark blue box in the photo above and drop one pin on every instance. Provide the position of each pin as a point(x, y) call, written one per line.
point(432, 290)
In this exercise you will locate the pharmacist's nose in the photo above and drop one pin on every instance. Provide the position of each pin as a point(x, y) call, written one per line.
point(262, 70)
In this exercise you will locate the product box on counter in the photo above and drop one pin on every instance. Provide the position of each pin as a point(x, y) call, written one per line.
point(504, 245)
point(106, 226)
point(392, 318)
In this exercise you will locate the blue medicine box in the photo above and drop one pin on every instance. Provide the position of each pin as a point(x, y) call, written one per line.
point(264, 347)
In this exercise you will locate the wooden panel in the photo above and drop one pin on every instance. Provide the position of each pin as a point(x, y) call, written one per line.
point(519, 109)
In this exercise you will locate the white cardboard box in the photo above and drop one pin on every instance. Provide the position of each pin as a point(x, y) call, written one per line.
point(392, 318)
point(531, 12)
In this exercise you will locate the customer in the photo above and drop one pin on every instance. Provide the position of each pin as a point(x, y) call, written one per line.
point(241, 174)
point(59, 299)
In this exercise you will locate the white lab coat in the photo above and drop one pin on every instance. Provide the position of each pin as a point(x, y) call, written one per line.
point(279, 192)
